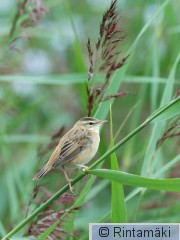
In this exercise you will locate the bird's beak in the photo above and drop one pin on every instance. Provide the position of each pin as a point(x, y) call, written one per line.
point(101, 121)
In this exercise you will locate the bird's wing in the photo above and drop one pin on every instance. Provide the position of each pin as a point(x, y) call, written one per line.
point(78, 141)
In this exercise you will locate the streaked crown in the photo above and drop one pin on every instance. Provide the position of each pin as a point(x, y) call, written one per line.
point(90, 123)
point(88, 119)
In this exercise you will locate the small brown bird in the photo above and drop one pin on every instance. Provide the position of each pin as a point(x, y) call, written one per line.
point(76, 148)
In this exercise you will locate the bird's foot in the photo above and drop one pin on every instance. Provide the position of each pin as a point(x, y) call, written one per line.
point(69, 181)
point(71, 188)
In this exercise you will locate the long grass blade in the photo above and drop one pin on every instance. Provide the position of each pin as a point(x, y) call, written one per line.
point(171, 185)
point(118, 206)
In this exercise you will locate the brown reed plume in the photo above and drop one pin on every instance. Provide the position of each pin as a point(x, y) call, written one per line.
point(105, 57)
point(171, 132)
point(51, 214)
point(34, 9)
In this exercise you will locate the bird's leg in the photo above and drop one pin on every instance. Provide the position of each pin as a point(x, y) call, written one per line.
point(68, 180)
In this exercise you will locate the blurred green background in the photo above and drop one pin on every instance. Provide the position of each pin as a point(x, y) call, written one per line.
point(43, 68)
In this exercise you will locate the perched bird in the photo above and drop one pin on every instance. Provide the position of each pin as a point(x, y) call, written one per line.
point(76, 148)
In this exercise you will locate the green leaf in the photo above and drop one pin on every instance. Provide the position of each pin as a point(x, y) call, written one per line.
point(170, 185)
point(171, 112)
point(168, 90)
point(74, 78)
point(62, 79)
point(118, 207)
point(159, 172)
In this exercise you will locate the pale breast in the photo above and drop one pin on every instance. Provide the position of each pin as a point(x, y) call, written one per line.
point(89, 152)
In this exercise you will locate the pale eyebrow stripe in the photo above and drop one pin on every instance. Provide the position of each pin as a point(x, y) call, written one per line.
point(87, 119)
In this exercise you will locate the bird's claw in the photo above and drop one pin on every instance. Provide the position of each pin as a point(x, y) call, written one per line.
point(71, 188)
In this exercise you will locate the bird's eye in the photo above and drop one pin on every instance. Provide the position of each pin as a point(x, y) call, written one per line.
point(91, 123)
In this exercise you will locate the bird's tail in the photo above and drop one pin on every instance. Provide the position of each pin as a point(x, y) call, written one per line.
point(42, 172)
